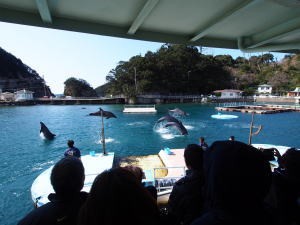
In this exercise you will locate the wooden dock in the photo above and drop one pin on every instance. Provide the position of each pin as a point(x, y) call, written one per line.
point(261, 109)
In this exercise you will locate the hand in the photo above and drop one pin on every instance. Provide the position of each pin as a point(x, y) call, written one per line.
point(276, 153)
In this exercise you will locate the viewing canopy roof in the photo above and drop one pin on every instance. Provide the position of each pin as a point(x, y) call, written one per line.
point(248, 25)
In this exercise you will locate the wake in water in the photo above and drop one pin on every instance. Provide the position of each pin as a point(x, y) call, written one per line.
point(107, 140)
point(40, 166)
point(166, 133)
point(237, 125)
point(138, 124)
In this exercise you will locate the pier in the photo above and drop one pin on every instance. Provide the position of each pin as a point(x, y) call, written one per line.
point(261, 109)
point(65, 101)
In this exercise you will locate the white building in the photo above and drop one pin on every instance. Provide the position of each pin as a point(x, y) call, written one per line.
point(264, 89)
point(23, 95)
point(230, 93)
point(7, 96)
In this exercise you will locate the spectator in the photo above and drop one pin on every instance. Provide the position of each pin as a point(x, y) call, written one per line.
point(139, 174)
point(202, 143)
point(237, 178)
point(67, 178)
point(231, 138)
point(72, 151)
point(185, 202)
point(285, 190)
point(116, 197)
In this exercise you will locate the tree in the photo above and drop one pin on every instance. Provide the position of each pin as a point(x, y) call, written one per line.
point(78, 88)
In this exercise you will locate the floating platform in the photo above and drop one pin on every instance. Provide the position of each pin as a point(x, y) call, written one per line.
point(260, 109)
point(220, 116)
point(139, 109)
point(93, 165)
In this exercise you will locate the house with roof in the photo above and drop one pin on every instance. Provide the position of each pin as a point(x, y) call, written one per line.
point(7, 96)
point(229, 93)
point(264, 89)
point(294, 93)
point(23, 95)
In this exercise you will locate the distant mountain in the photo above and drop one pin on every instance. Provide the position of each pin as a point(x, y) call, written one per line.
point(15, 75)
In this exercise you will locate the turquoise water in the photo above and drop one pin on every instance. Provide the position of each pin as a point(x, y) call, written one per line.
point(24, 155)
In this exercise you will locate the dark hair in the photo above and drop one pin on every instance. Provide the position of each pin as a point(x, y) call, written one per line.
point(201, 138)
point(291, 161)
point(117, 197)
point(70, 143)
point(237, 176)
point(231, 138)
point(193, 156)
point(67, 176)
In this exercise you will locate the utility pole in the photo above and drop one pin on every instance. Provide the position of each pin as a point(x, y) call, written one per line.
point(135, 79)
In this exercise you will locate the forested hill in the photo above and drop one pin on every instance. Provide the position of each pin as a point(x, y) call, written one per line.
point(179, 69)
point(15, 75)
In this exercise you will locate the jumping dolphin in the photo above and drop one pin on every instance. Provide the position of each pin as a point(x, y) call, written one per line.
point(105, 114)
point(179, 126)
point(168, 118)
point(46, 132)
point(178, 112)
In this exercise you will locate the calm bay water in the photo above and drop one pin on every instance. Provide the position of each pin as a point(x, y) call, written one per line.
point(24, 155)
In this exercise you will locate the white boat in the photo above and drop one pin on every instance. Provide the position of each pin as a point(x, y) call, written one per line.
point(139, 109)
point(94, 164)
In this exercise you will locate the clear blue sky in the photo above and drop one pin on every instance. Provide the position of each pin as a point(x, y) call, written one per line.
point(58, 55)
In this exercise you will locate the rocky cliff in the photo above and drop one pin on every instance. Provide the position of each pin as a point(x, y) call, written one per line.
point(15, 75)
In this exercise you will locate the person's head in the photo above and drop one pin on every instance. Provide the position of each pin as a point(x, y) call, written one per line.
point(70, 143)
point(117, 197)
point(237, 176)
point(136, 171)
point(67, 177)
point(231, 138)
point(201, 139)
point(193, 157)
point(290, 160)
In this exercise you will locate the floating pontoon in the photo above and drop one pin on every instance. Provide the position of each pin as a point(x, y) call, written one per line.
point(139, 109)
point(94, 164)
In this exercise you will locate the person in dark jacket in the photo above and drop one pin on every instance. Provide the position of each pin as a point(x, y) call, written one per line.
point(67, 179)
point(185, 202)
point(116, 198)
point(72, 151)
point(237, 179)
point(284, 195)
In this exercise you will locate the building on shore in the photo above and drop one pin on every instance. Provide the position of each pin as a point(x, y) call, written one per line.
point(7, 96)
point(23, 95)
point(229, 93)
point(264, 90)
point(295, 93)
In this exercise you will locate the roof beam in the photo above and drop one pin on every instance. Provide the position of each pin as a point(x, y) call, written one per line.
point(209, 26)
point(268, 48)
point(290, 27)
point(144, 13)
point(44, 10)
